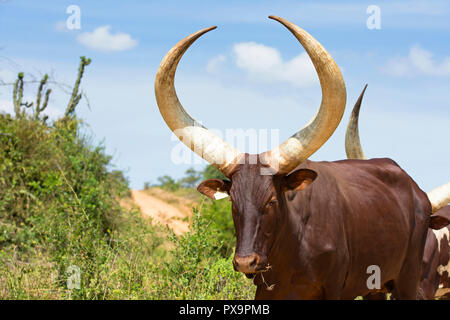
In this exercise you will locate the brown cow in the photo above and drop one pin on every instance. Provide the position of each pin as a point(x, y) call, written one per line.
point(436, 258)
point(309, 230)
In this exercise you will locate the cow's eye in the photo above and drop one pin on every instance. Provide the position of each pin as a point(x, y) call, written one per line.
point(272, 203)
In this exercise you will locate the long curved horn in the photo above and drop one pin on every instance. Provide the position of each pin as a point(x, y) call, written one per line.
point(439, 197)
point(305, 142)
point(352, 142)
point(199, 139)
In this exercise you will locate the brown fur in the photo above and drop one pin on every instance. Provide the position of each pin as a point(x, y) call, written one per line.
point(317, 242)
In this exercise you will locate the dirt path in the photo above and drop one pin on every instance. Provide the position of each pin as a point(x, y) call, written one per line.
point(161, 211)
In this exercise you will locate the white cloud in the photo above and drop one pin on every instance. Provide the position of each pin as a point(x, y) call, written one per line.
point(418, 62)
point(265, 63)
point(215, 63)
point(101, 39)
point(61, 26)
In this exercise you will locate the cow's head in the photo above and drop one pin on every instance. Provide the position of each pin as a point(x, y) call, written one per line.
point(258, 206)
point(256, 183)
point(441, 218)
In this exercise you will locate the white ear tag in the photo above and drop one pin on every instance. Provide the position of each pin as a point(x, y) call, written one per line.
point(220, 195)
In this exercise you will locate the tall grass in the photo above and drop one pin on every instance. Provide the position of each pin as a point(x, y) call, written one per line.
point(60, 212)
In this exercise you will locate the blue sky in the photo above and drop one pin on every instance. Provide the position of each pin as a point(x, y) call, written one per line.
point(248, 73)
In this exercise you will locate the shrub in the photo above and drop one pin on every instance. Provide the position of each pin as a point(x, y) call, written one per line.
point(59, 210)
point(200, 265)
point(211, 172)
point(168, 183)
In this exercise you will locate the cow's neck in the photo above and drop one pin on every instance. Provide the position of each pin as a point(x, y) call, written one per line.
point(284, 248)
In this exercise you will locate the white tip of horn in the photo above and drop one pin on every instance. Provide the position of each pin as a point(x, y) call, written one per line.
point(439, 197)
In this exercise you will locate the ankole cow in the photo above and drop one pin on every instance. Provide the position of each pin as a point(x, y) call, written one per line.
point(306, 229)
point(436, 257)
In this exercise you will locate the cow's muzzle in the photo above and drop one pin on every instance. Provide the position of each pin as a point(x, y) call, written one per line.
point(250, 264)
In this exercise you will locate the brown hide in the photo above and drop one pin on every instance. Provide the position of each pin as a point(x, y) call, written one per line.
point(317, 243)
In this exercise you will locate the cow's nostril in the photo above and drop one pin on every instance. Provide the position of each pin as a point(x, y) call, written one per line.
point(246, 264)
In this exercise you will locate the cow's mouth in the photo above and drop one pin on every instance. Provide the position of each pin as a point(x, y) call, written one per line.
point(251, 275)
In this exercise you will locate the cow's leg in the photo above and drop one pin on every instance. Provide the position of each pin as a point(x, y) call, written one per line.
point(406, 286)
point(405, 290)
point(426, 290)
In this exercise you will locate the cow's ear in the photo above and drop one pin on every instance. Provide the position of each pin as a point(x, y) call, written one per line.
point(215, 188)
point(440, 218)
point(299, 179)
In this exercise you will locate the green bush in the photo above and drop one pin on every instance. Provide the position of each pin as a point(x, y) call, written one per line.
point(200, 265)
point(211, 172)
point(59, 209)
point(168, 183)
point(190, 180)
point(56, 193)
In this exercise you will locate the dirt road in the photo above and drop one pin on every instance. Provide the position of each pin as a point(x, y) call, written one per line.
point(161, 211)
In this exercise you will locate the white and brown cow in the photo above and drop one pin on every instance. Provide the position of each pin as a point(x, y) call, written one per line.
point(436, 258)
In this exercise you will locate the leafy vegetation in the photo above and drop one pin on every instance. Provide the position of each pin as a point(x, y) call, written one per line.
point(199, 266)
point(61, 220)
point(190, 180)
